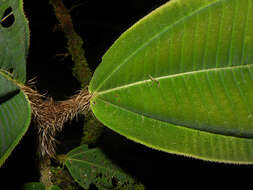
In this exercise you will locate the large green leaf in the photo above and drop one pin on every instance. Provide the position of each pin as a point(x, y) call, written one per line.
point(15, 116)
point(14, 39)
point(92, 166)
point(180, 80)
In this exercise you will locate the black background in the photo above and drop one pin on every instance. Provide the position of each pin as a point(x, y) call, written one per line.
point(99, 23)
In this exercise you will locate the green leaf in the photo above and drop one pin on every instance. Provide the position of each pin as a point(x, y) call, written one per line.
point(15, 111)
point(14, 39)
point(92, 166)
point(180, 80)
point(15, 116)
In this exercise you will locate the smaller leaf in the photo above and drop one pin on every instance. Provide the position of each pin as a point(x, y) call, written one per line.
point(92, 166)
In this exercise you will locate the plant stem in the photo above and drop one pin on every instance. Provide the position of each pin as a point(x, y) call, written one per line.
point(50, 115)
point(81, 69)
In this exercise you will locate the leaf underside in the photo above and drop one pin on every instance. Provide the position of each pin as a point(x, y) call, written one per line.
point(180, 80)
point(15, 115)
point(92, 166)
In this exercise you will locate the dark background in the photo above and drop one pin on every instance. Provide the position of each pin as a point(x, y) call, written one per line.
point(99, 23)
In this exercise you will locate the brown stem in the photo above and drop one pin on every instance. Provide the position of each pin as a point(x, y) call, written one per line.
point(81, 69)
point(50, 115)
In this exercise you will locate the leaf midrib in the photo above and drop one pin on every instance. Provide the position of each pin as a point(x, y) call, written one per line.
point(86, 162)
point(71, 159)
point(171, 76)
point(195, 12)
point(177, 125)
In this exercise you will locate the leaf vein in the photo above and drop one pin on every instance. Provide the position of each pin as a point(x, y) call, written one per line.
point(171, 76)
point(195, 12)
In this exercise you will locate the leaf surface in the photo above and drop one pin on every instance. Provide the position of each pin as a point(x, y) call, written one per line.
point(92, 166)
point(15, 116)
point(14, 39)
point(180, 80)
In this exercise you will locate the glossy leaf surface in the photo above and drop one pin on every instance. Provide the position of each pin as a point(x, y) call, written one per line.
point(14, 38)
point(15, 116)
point(92, 166)
point(180, 80)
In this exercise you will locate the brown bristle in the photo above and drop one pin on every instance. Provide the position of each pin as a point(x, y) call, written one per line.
point(50, 115)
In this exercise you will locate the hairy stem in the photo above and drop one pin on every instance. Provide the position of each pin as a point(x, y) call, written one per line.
point(50, 115)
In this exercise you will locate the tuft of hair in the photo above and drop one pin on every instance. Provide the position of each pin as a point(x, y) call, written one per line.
point(50, 115)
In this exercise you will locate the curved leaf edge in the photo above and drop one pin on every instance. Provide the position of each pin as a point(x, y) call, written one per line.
point(171, 151)
point(27, 40)
point(18, 12)
point(27, 123)
point(95, 91)
point(192, 156)
point(93, 86)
